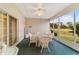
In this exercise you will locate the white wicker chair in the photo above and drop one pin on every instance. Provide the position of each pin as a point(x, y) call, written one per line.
point(33, 39)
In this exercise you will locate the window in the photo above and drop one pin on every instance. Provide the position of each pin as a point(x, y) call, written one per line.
point(52, 26)
point(77, 24)
point(67, 27)
point(55, 23)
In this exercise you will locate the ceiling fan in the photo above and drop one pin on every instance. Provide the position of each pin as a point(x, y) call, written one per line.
point(39, 9)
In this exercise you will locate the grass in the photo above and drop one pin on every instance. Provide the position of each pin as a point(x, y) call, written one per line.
point(66, 35)
point(69, 37)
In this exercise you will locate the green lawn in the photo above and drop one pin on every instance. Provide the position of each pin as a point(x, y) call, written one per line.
point(69, 37)
point(66, 35)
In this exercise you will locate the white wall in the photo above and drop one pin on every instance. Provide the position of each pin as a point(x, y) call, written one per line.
point(37, 25)
point(42, 28)
point(12, 10)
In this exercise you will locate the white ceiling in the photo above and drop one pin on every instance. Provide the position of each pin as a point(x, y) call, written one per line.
point(51, 9)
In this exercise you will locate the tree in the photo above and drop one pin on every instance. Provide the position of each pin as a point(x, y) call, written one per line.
point(51, 25)
point(77, 29)
point(55, 25)
point(70, 25)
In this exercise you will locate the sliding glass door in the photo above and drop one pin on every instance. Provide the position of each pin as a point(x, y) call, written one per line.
point(12, 30)
point(0, 27)
point(8, 29)
point(5, 28)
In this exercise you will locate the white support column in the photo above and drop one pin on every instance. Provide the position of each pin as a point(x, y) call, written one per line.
point(7, 30)
point(58, 27)
point(74, 28)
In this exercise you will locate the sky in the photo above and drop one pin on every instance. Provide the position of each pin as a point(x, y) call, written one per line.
point(69, 17)
point(77, 14)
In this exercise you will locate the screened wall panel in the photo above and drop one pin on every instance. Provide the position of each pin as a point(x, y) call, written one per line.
point(77, 24)
point(67, 26)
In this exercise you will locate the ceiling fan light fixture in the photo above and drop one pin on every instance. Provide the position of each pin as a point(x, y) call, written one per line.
point(39, 10)
point(39, 13)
